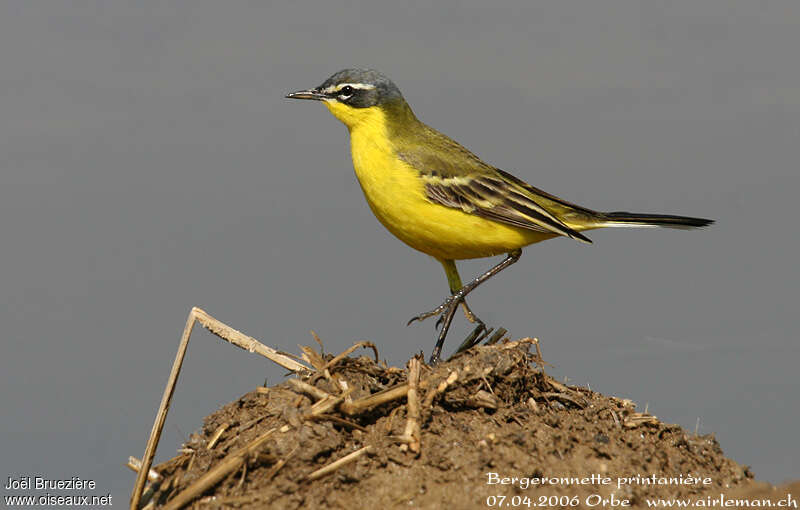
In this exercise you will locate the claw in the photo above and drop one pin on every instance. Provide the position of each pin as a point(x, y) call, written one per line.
point(439, 310)
point(470, 315)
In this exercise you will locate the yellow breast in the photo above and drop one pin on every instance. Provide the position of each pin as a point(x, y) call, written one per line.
point(396, 194)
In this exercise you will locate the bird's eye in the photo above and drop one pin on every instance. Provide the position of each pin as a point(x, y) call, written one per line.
point(346, 92)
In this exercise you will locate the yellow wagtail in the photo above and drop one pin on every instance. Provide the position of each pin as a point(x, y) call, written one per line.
point(441, 199)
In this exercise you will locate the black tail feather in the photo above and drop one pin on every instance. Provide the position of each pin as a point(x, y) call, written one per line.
point(655, 220)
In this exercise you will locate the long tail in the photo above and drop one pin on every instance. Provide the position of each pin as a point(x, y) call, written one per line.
point(626, 219)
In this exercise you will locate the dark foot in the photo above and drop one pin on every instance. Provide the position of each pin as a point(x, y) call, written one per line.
point(474, 338)
point(439, 310)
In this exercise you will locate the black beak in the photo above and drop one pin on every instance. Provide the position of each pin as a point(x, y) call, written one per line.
point(307, 94)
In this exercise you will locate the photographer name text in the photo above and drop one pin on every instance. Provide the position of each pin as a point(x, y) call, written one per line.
point(42, 483)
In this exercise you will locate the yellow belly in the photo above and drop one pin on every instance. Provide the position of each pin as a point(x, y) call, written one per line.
point(396, 194)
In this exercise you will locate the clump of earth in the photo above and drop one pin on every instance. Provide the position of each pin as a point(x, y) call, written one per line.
point(487, 429)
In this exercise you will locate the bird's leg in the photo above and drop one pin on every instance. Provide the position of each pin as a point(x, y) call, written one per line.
point(458, 291)
point(454, 281)
point(448, 308)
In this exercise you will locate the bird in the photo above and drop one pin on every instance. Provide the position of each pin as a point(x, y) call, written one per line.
point(441, 199)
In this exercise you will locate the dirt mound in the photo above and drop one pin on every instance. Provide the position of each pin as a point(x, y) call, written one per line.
point(488, 428)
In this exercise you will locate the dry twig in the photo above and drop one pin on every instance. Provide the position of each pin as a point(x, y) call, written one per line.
point(394, 393)
point(453, 377)
point(217, 434)
point(277, 467)
point(564, 397)
point(336, 419)
point(411, 435)
point(341, 356)
point(328, 403)
point(223, 331)
point(319, 342)
point(637, 419)
point(313, 358)
point(247, 343)
point(135, 465)
point(229, 464)
point(308, 389)
point(333, 466)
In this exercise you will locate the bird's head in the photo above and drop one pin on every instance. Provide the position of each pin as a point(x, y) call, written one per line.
point(355, 96)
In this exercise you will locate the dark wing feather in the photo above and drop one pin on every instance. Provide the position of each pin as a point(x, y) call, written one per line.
point(455, 177)
point(495, 199)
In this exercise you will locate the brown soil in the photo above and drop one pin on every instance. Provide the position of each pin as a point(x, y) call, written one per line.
point(500, 414)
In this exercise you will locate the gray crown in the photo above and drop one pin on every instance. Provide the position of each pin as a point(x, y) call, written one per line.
point(385, 90)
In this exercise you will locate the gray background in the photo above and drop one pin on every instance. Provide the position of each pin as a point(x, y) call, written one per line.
point(149, 163)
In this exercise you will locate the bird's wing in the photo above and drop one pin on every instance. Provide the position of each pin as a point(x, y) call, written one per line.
point(496, 199)
point(455, 177)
